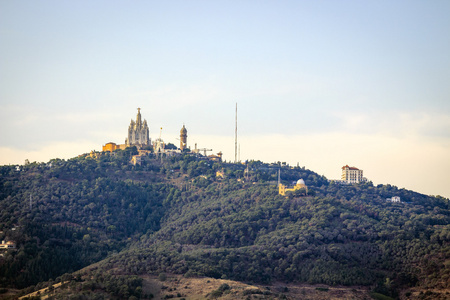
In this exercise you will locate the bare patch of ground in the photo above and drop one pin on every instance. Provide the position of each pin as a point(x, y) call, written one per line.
point(178, 287)
point(417, 293)
point(43, 293)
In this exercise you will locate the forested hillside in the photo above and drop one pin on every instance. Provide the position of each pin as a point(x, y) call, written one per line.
point(191, 216)
point(81, 210)
point(338, 234)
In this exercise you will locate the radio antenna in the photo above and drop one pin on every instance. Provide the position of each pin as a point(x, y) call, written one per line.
point(235, 138)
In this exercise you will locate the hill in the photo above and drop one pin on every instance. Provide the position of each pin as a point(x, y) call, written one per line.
point(193, 217)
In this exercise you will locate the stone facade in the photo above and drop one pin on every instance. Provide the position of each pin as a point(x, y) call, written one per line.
point(138, 132)
point(183, 138)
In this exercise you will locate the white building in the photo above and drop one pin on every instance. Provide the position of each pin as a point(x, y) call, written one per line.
point(159, 146)
point(394, 199)
point(352, 174)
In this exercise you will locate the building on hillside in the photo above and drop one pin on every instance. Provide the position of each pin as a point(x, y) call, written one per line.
point(111, 147)
point(300, 184)
point(138, 136)
point(136, 160)
point(159, 146)
point(183, 138)
point(395, 199)
point(217, 157)
point(94, 154)
point(220, 174)
point(138, 132)
point(352, 175)
point(7, 245)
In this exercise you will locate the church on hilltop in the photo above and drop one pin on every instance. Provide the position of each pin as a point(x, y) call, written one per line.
point(138, 136)
point(138, 132)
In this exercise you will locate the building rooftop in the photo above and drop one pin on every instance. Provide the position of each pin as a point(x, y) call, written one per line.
point(350, 168)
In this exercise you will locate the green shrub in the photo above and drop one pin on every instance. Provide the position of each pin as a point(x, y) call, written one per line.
point(378, 296)
point(162, 276)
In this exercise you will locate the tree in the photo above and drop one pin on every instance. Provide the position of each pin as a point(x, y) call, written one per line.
point(171, 146)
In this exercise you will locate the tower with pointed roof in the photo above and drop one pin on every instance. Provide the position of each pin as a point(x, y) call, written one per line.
point(138, 132)
point(183, 138)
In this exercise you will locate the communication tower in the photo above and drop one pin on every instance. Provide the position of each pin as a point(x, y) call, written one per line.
point(235, 138)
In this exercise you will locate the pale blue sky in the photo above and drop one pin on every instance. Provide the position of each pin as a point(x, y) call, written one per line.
point(75, 71)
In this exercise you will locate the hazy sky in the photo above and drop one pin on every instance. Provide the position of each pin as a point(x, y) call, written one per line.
point(319, 83)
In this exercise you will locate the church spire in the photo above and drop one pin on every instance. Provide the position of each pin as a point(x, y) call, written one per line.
point(138, 118)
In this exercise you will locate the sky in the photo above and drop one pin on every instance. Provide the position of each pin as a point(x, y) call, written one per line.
point(321, 84)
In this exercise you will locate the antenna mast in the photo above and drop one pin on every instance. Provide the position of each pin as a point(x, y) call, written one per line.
point(246, 173)
point(235, 139)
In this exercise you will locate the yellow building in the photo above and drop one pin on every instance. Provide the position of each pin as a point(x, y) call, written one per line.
point(282, 189)
point(111, 147)
point(217, 157)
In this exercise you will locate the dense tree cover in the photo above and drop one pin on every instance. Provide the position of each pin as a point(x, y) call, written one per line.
point(250, 233)
point(81, 210)
point(339, 234)
point(184, 218)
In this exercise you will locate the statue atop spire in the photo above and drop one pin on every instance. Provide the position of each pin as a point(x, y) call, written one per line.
point(138, 118)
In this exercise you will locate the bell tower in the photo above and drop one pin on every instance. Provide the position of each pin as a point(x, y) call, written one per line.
point(183, 138)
